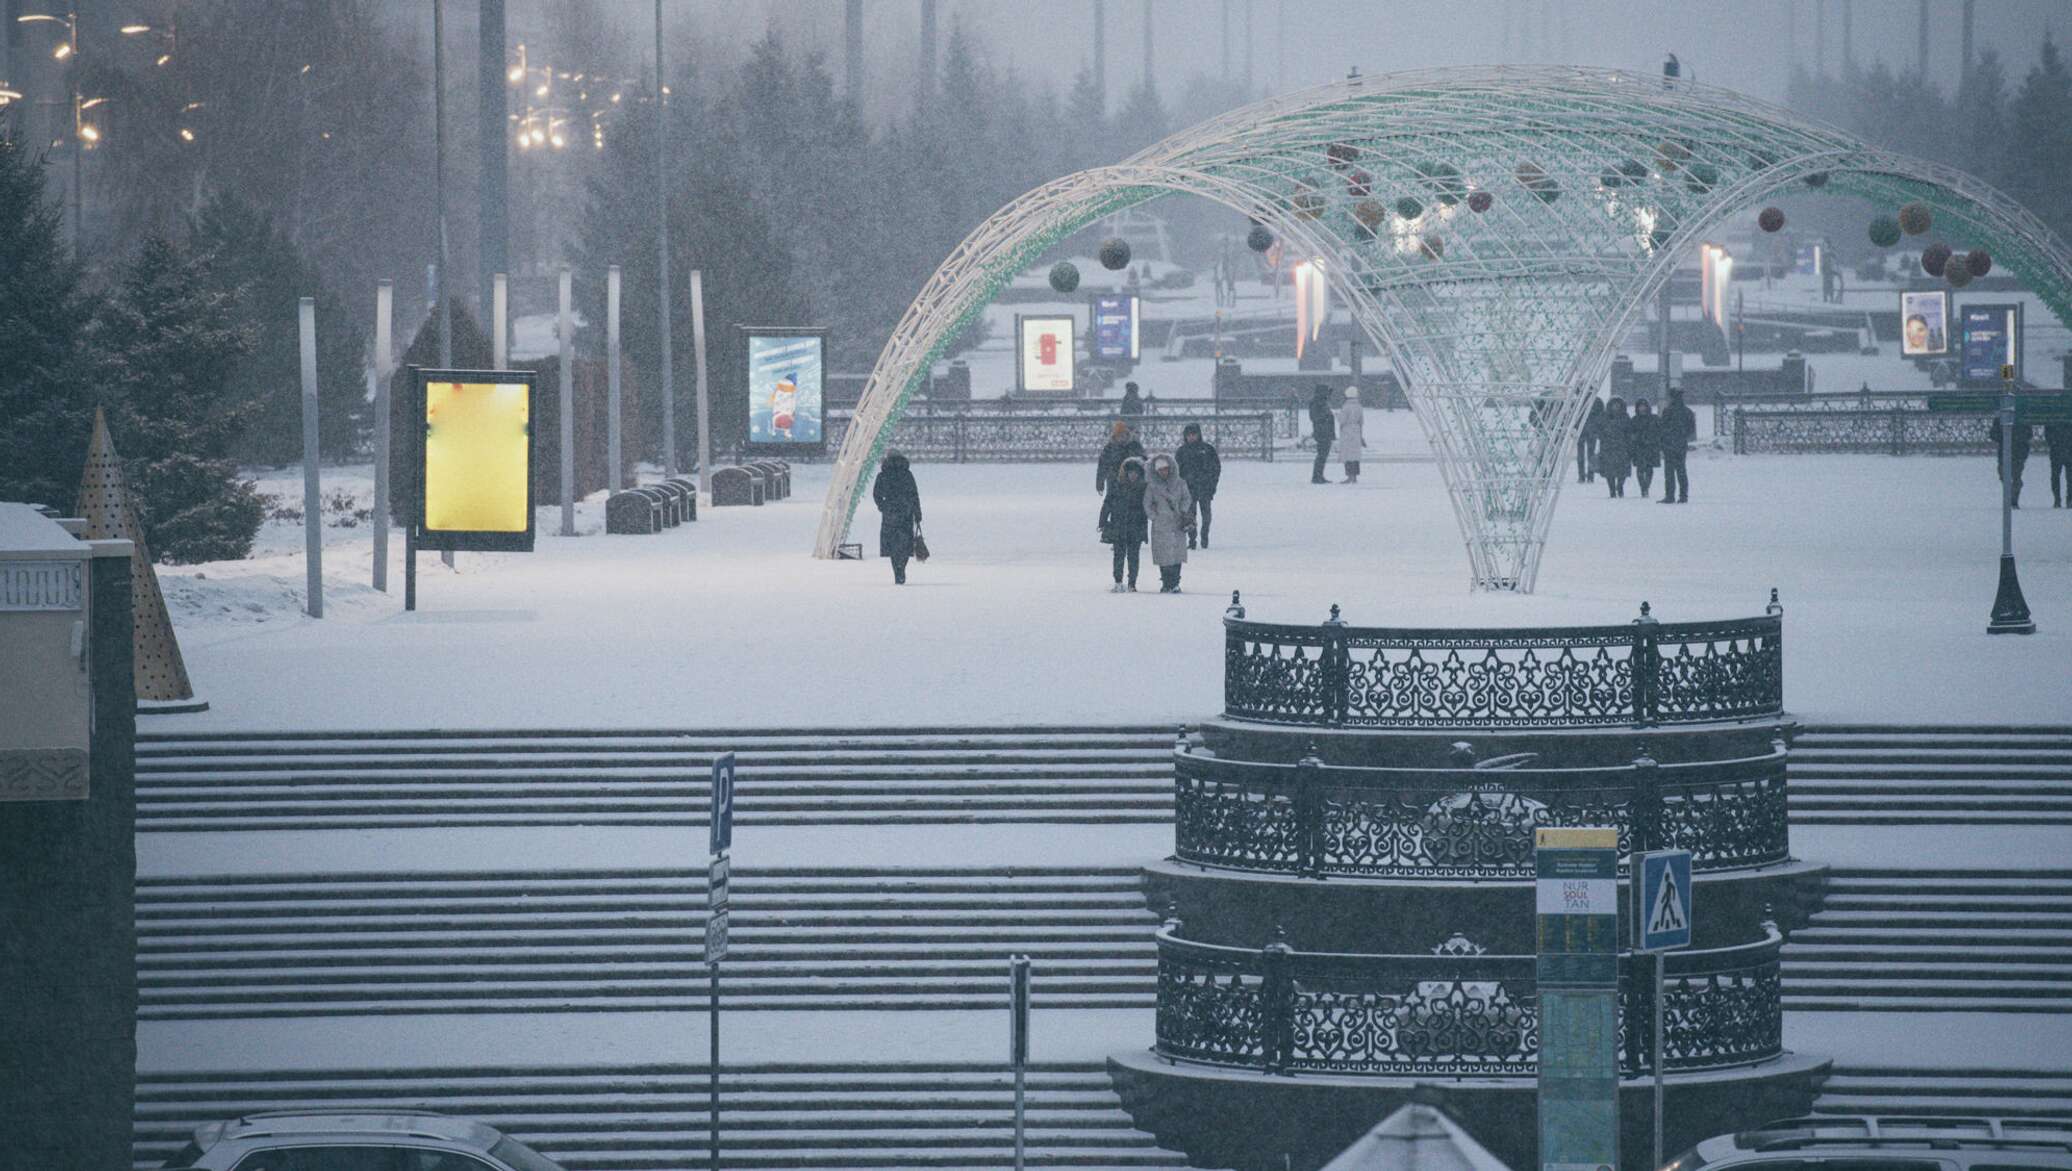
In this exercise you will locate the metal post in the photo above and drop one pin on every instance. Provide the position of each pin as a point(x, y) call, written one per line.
point(1147, 46)
point(852, 53)
point(78, 144)
point(713, 1066)
point(384, 369)
point(1660, 983)
point(445, 287)
point(612, 439)
point(1101, 54)
point(412, 448)
point(494, 138)
point(2010, 609)
point(1667, 308)
point(500, 322)
point(312, 491)
point(927, 79)
point(704, 406)
point(566, 334)
point(662, 251)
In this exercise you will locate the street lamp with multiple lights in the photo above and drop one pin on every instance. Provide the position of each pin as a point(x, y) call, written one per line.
point(83, 135)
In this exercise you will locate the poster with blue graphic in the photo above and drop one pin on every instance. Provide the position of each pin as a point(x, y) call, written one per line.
point(787, 378)
point(1115, 327)
point(1990, 337)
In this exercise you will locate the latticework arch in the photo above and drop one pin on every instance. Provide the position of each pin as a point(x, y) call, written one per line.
point(1494, 231)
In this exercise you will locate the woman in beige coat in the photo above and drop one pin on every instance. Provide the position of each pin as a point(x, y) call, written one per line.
point(1350, 434)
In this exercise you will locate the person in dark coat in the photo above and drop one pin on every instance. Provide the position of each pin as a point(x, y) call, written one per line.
point(1614, 455)
point(1122, 444)
point(1323, 427)
point(1132, 402)
point(899, 512)
point(1643, 443)
point(1202, 469)
point(2018, 454)
point(2059, 436)
point(1674, 432)
point(1586, 443)
point(1123, 523)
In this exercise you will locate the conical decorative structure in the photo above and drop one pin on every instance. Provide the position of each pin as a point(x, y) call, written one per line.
point(105, 503)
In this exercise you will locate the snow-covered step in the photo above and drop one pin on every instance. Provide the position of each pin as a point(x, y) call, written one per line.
point(828, 1118)
point(1898, 775)
point(1960, 1092)
point(852, 939)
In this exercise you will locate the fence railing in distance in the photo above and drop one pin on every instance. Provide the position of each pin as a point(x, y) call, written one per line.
point(1041, 439)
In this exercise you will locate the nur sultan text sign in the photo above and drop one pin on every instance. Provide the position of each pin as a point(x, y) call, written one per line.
point(1577, 897)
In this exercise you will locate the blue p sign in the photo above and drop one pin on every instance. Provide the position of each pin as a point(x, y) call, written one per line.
point(722, 820)
point(1665, 900)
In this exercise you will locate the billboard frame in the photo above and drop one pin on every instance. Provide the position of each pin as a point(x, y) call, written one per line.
point(473, 540)
point(1925, 355)
point(802, 450)
point(1021, 323)
point(2014, 347)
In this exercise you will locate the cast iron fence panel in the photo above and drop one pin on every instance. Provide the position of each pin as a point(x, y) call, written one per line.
point(1645, 673)
point(1281, 1011)
point(1321, 821)
point(1847, 430)
point(1287, 412)
point(1024, 438)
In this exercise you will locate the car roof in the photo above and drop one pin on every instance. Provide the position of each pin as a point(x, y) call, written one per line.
point(358, 1123)
point(1934, 1132)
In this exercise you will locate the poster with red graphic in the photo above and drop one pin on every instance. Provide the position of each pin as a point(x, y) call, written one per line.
point(1046, 355)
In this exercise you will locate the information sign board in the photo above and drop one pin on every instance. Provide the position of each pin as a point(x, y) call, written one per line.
point(1989, 338)
point(1576, 900)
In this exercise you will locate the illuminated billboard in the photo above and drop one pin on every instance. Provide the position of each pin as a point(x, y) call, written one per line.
point(1989, 337)
point(787, 389)
point(476, 469)
point(1116, 327)
point(1044, 349)
point(1924, 324)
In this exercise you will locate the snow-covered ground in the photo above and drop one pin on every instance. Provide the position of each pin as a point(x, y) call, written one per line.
point(1886, 566)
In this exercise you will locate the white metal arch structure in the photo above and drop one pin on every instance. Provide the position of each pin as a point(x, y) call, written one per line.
point(1495, 232)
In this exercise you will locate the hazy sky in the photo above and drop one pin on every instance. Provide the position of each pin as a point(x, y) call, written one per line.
point(1745, 44)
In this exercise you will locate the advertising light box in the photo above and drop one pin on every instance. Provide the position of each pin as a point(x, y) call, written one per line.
point(475, 481)
point(1989, 337)
point(1115, 327)
point(1044, 346)
point(1924, 324)
point(787, 389)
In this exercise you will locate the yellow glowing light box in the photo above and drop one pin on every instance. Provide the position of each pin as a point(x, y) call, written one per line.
point(477, 470)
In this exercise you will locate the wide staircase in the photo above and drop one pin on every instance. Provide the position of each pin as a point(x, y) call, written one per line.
point(1872, 774)
point(624, 940)
point(1947, 1092)
point(591, 1118)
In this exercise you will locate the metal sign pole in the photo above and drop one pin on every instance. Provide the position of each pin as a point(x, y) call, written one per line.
point(713, 967)
point(1660, 987)
point(1018, 1050)
point(566, 331)
point(2010, 608)
point(312, 490)
point(384, 368)
point(718, 889)
point(612, 438)
point(704, 408)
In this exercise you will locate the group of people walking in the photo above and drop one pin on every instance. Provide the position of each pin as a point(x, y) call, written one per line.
point(1343, 426)
point(1167, 502)
point(1616, 445)
point(2058, 436)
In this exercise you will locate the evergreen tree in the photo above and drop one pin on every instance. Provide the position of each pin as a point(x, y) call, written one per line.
point(47, 415)
point(2039, 147)
point(1981, 117)
point(261, 269)
point(163, 351)
point(1142, 119)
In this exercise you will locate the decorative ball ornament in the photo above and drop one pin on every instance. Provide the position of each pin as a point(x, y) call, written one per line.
point(1370, 213)
point(1480, 202)
point(1359, 183)
point(1915, 219)
point(1064, 276)
point(1432, 246)
point(1342, 154)
point(1935, 258)
point(1409, 208)
point(1115, 254)
point(1816, 180)
point(1259, 239)
point(1957, 272)
point(1885, 231)
point(1979, 261)
point(1770, 219)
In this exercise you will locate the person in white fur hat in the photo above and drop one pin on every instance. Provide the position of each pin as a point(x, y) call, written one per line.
point(1349, 434)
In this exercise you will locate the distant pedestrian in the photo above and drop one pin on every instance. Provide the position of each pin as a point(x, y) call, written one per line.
point(1202, 469)
point(1586, 443)
point(1675, 430)
point(1614, 453)
point(1122, 444)
point(1123, 522)
point(1169, 513)
point(1643, 444)
point(1323, 427)
point(1132, 402)
point(1352, 434)
point(2018, 455)
point(2059, 436)
point(899, 512)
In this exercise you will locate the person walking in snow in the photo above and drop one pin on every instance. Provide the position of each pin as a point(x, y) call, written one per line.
point(1643, 443)
point(1586, 443)
point(2059, 436)
point(1323, 427)
point(2018, 454)
point(1123, 522)
point(899, 512)
point(1351, 434)
point(1132, 402)
point(1674, 431)
point(1202, 469)
point(1169, 516)
point(1122, 444)
point(1613, 453)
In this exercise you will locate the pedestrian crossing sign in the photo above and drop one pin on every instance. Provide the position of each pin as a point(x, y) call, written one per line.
point(1665, 900)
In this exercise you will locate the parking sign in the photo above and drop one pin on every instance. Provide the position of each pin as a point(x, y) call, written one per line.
point(1665, 900)
point(722, 818)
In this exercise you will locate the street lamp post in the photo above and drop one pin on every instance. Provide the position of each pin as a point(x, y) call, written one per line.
point(2010, 609)
point(68, 52)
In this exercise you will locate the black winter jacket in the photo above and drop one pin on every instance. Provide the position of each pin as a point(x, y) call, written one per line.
point(1112, 456)
point(1678, 426)
point(899, 507)
point(1200, 466)
point(1122, 511)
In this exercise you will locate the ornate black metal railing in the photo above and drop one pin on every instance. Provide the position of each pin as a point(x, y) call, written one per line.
point(1008, 438)
point(1282, 1011)
point(1322, 821)
point(1877, 400)
point(1645, 673)
point(1836, 430)
point(1288, 411)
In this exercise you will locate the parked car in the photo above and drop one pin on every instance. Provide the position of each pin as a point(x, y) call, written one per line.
point(355, 1140)
point(1856, 1143)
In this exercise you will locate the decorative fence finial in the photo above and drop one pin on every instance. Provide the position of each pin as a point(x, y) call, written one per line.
point(1334, 619)
point(1775, 606)
point(1647, 614)
point(1279, 942)
point(1180, 739)
point(1236, 610)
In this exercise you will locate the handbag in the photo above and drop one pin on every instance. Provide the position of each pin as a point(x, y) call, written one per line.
point(920, 545)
